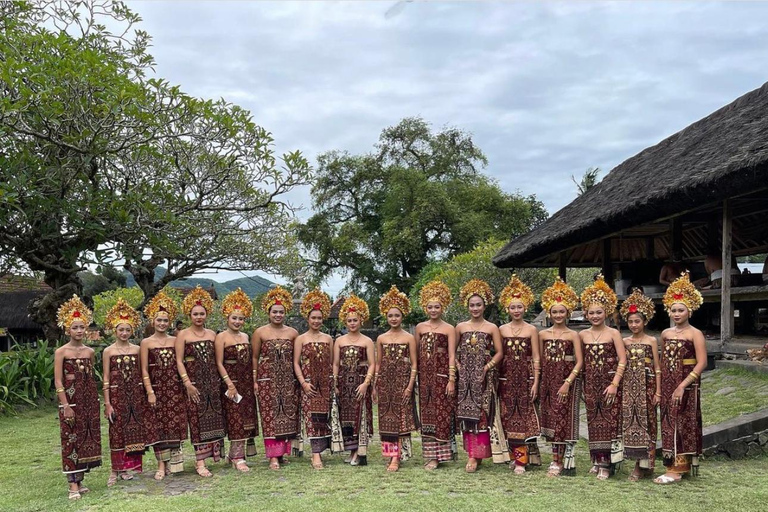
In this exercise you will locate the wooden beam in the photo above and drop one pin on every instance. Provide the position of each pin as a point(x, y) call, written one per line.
point(726, 306)
point(562, 270)
point(606, 262)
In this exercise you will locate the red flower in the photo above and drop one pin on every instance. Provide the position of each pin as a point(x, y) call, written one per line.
point(633, 308)
point(317, 306)
point(198, 303)
point(123, 316)
point(559, 299)
point(76, 314)
point(352, 309)
point(516, 295)
point(278, 303)
point(236, 306)
point(678, 296)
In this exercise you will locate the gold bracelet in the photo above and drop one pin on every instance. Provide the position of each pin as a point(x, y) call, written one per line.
point(105, 383)
point(569, 381)
point(225, 377)
point(183, 375)
point(621, 365)
point(59, 390)
point(696, 375)
point(150, 392)
point(658, 372)
point(615, 384)
point(574, 371)
point(414, 370)
point(145, 378)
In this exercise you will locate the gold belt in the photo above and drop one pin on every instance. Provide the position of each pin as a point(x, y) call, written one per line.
point(687, 362)
point(230, 361)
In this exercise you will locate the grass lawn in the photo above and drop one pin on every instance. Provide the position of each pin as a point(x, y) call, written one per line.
point(30, 477)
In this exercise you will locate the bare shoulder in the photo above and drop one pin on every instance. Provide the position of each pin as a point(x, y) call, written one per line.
point(108, 350)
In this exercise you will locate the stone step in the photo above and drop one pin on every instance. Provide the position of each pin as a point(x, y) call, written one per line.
point(752, 366)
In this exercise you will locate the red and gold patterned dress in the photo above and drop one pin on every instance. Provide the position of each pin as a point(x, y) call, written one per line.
point(165, 424)
point(127, 438)
point(241, 418)
point(279, 397)
point(680, 429)
point(476, 395)
point(603, 419)
point(81, 438)
point(519, 416)
point(560, 421)
point(396, 419)
point(638, 412)
point(317, 368)
point(437, 410)
point(206, 418)
point(355, 416)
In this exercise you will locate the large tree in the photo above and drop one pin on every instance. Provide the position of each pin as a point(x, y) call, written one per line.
point(101, 160)
point(420, 195)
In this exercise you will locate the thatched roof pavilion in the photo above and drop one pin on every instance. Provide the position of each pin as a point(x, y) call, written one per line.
point(673, 198)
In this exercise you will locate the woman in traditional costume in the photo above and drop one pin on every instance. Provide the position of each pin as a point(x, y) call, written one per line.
point(75, 382)
point(354, 365)
point(124, 400)
point(437, 376)
point(235, 365)
point(275, 382)
point(196, 362)
point(313, 365)
point(605, 360)
point(641, 386)
point(165, 421)
point(396, 369)
point(519, 374)
point(683, 358)
point(560, 389)
point(478, 354)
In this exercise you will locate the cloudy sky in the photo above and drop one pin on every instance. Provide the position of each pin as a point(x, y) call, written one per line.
point(547, 89)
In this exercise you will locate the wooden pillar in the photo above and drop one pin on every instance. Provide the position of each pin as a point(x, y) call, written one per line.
point(650, 252)
point(726, 307)
point(676, 235)
point(607, 267)
point(561, 266)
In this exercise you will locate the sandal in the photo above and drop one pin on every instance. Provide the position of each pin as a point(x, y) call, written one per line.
point(126, 476)
point(83, 489)
point(593, 470)
point(203, 471)
point(431, 465)
point(471, 467)
point(240, 465)
point(635, 476)
point(603, 474)
point(519, 470)
point(316, 465)
point(666, 479)
point(159, 474)
point(74, 495)
point(112, 480)
point(394, 465)
point(274, 465)
point(554, 470)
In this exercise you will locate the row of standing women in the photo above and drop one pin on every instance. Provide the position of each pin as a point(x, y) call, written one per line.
point(501, 387)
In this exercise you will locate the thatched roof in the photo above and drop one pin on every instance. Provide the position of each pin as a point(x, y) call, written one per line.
point(13, 309)
point(723, 155)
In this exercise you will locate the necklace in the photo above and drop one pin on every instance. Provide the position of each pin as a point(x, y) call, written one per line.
point(353, 341)
point(555, 335)
point(516, 334)
point(123, 352)
point(680, 331)
point(596, 339)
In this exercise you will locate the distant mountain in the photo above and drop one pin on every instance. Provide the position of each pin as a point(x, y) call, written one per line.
point(252, 286)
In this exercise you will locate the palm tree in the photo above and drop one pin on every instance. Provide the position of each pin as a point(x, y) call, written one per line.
point(588, 181)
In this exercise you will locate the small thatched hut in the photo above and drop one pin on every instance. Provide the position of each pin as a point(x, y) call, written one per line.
point(701, 190)
point(16, 292)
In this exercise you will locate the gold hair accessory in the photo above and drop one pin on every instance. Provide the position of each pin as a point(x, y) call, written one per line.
point(316, 300)
point(237, 301)
point(197, 297)
point(121, 313)
point(354, 304)
point(72, 310)
point(516, 291)
point(394, 298)
point(161, 303)
point(476, 287)
point(435, 291)
point(682, 291)
point(277, 296)
point(559, 294)
point(599, 293)
point(638, 303)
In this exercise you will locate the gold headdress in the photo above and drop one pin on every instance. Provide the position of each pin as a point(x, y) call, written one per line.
point(72, 310)
point(394, 298)
point(476, 287)
point(237, 300)
point(316, 300)
point(516, 290)
point(435, 291)
point(638, 303)
point(559, 294)
point(121, 313)
point(599, 293)
point(277, 296)
point(354, 304)
point(197, 297)
point(682, 291)
point(160, 303)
